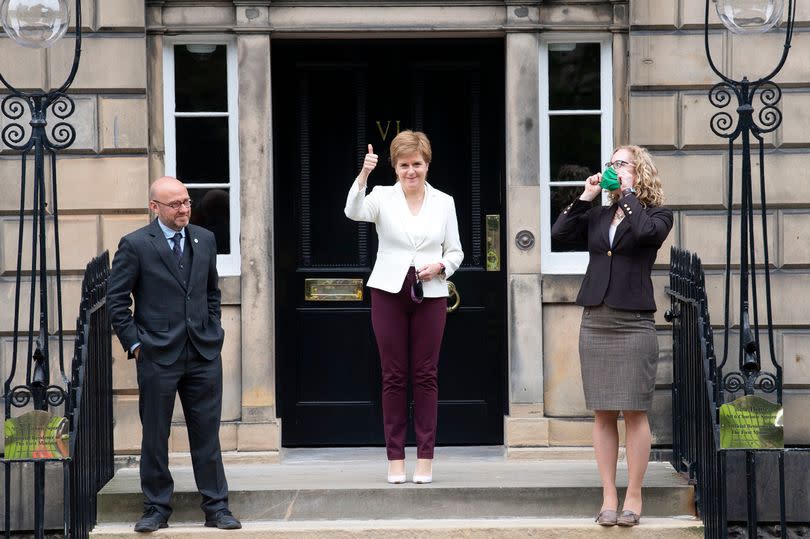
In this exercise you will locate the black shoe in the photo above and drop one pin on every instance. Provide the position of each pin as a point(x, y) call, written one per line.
point(224, 520)
point(151, 521)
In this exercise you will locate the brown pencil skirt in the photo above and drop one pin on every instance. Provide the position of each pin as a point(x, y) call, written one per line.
point(618, 353)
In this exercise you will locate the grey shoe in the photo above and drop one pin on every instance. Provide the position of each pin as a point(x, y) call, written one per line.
point(628, 519)
point(607, 518)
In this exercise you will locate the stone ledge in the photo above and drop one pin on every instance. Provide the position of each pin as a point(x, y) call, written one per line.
point(229, 458)
point(584, 528)
point(526, 410)
point(555, 453)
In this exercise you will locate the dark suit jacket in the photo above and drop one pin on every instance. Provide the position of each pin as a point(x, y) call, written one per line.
point(168, 310)
point(618, 275)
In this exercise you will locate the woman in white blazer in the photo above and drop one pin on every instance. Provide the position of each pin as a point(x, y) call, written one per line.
point(419, 248)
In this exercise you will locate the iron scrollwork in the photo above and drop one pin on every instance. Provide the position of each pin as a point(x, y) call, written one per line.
point(13, 134)
point(722, 123)
point(734, 382)
point(21, 396)
point(55, 396)
point(770, 117)
point(13, 107)
point(62, 134)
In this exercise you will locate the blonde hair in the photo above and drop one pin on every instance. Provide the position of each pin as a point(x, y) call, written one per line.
point(408, 142)
point(649, 189)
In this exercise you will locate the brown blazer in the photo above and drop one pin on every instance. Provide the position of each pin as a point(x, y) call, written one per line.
point(617, 275)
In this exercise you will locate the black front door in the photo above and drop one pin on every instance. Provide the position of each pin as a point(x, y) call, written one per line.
point(330, 100)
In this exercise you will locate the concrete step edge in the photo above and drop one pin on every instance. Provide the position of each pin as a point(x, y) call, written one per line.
point(507, 527)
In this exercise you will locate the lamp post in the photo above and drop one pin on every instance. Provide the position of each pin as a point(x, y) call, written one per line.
point(37, 24)
point(757, 114)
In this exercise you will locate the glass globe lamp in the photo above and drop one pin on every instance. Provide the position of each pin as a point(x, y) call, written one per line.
point(35, 23)
point(749, 16)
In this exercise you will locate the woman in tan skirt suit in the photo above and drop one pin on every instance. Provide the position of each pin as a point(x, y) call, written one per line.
point(618, 346)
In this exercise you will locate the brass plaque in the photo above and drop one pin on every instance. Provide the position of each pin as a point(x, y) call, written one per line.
point(333, 289)
point(751, 422)
point(37, 435)
point(493, 243)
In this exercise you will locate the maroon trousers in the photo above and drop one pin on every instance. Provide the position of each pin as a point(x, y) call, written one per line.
point(409, 336)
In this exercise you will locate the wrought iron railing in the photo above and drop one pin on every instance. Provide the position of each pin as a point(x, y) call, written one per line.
point(695, 430)
point(700, 386)
point(87, 399)
point(91, 439)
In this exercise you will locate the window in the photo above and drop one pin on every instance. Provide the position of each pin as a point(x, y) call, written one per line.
point(201, 136)
point(576, 133)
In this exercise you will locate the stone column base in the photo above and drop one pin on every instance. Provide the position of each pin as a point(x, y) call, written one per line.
point(235, 436)
point(530, 435)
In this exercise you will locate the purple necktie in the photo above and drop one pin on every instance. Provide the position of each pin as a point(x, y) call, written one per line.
point(176, 249)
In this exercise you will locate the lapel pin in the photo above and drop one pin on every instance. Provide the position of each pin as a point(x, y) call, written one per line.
point(196, 241)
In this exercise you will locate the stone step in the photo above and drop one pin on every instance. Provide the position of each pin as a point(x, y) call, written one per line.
point(507, 528)
point(350, 484)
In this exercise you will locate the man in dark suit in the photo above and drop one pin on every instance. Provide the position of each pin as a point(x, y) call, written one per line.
point(175, 334)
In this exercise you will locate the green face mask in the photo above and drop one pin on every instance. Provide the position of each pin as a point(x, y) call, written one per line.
point(610, 180)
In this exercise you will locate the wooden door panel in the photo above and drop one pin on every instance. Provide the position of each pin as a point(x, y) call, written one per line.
point(336, 375)
point(330, 108)
point(459, 377)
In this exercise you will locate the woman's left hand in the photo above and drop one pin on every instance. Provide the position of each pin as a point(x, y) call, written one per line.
point(429, 271)
point(626, 181)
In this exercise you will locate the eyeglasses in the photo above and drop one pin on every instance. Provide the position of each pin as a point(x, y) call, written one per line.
point(176, 204)
point(616, 165)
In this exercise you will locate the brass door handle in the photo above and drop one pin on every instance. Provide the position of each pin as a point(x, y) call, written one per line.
point(453, 292)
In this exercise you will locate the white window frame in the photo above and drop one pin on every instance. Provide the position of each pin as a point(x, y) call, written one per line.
point(570, 262)
point(229, 264)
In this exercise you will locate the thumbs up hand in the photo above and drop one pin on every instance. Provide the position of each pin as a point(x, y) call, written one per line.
point(369, 164)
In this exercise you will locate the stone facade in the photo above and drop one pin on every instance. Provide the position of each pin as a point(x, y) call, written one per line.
point(660, 83)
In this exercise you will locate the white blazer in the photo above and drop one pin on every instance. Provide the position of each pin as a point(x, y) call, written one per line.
point(387, 208)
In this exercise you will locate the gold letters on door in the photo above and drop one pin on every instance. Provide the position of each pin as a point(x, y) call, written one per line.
point(384, 133)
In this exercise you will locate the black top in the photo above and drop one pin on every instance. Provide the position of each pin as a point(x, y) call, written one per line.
point(617, 275)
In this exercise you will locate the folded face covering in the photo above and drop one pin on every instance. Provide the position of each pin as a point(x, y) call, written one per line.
point(610, 180)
